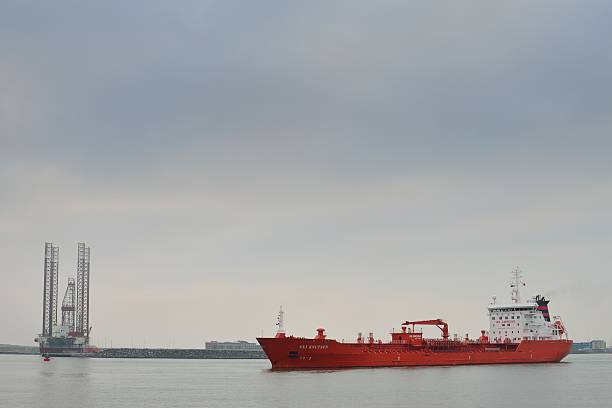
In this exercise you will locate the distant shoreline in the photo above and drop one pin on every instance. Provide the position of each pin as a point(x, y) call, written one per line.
point(179, 353)
point(592, 351)
point(190, 354)
point(185, 354)
point(15, 349)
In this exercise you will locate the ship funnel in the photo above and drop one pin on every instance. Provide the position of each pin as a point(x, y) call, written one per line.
point(543, 306)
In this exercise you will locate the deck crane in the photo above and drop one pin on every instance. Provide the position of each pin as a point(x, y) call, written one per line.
point(439, 323)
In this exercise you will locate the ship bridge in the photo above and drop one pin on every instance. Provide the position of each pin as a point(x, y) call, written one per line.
point(519, 320)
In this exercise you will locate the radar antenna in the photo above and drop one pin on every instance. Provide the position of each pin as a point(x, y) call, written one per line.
point(517, 282)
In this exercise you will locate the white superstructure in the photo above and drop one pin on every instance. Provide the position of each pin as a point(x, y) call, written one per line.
point(516, 321)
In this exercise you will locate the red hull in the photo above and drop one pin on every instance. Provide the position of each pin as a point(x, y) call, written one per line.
point(293, 352)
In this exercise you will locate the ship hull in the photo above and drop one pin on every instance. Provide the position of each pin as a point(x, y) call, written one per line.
point(67, 352)
point(296, 353)
point(66, 347)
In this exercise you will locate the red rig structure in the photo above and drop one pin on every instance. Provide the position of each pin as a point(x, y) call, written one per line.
point(520, 332)
point(71, 337)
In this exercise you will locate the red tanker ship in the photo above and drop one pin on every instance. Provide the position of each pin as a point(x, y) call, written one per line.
point(520, 332)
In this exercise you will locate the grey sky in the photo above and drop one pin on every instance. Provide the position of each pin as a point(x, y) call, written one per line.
point(361, 163)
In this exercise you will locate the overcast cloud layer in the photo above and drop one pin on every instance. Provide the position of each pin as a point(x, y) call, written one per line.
point(360, 163)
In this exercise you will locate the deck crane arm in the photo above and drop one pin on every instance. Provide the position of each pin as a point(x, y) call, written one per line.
point(439, 323)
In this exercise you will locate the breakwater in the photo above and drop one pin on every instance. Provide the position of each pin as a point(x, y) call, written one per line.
point(592, 351)
point(178, 353)
point(14, 349)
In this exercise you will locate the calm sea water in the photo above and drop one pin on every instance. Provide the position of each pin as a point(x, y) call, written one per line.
point(581, 381)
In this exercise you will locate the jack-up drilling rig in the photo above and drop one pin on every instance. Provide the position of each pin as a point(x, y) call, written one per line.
point(71, 337)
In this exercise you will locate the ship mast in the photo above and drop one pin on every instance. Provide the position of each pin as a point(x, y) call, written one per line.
point(517, 276)
point(280, 333)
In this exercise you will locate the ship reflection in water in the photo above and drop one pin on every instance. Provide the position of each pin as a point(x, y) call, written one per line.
point(125, 383)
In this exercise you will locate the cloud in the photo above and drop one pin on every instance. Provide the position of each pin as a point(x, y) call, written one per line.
point(364, 155)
